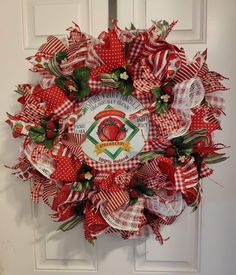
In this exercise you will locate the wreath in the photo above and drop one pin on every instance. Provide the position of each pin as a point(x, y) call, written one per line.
point(117, 132)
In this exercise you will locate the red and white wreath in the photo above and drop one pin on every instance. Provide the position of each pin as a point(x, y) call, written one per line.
point(117, 132)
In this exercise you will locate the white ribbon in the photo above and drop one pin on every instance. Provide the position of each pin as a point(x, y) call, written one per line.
point(187, 95)
point(173, 206)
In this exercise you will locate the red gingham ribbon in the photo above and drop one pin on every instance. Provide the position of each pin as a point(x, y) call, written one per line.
point(186, 176)
point(129, 217)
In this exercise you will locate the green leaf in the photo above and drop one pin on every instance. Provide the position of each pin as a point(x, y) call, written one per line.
point(161, 107)
point(37, 134)
point(126, 87)
point(19, 91)
point(195, 138)
point(68, 225)
point(157, 92)
point(202, 131)
point(171, 83)
point(133, 201)
point(214, 158)
point(81, 74)
point(149, 192)
point(186, 151)
point(115, 74)
point(84, 90)
point(90, 241)
point(140, 185)
point(146, 156)
point(132, 27)
point(84, 168)
point(176, 162)
point(48, 143)
point(36, 137)
point(177, 141)
point(37, 129)
point(61, 56)
point(61, 82)
point(79, 208)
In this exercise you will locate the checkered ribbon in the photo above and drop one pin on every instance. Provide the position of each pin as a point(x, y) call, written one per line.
point(37, 187)
point(159, 143)
point(155, 225)
point(32, 110)
point(136, 47)
point(186, 176)
point(129, 217)
point(65, 108)
point(44, 164)
point(43, 188)
point(123, 178)
point(167, 124)
point(216, 101)
point(56, 101)
point(144, 41)
point(113, 182)
point(38, 151)
point(96, 86)
point(205, 171)
point(176, 121)
point(211, 80)
point(124, 234)
point(146, 80)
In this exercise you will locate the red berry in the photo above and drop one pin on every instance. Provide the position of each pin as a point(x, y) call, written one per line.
point(134, 194)
point(50, 134)
point(70, 85)
point(26, 174)
point(170, 152)
point(50, 125)
point(167, 89)
point(71, 96)
point(81, 176)
point(93, 172)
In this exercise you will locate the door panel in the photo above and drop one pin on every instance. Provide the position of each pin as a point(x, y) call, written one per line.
point(201, 243)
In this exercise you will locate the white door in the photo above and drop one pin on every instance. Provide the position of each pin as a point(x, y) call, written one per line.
point(201, 243)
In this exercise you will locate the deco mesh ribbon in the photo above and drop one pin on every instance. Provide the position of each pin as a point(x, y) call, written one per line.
point(181, 100)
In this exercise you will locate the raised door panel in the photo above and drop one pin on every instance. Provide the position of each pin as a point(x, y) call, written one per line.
point(191, 15)
point(44, 17)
